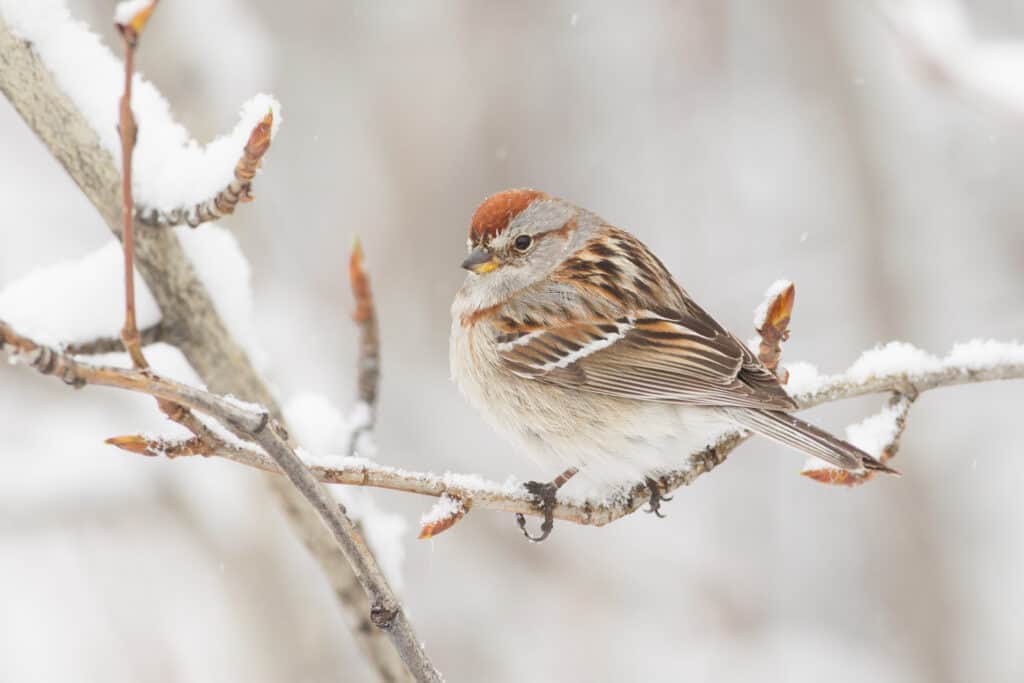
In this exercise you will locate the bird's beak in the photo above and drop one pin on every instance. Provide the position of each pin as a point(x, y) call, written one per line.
point(480, 261)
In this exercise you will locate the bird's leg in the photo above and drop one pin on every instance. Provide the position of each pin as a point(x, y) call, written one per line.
point(657, 497)
point(544, 492)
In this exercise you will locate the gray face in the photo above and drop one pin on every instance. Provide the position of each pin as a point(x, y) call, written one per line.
point(532, 246)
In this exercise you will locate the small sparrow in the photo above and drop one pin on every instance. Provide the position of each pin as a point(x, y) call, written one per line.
point(571, 337)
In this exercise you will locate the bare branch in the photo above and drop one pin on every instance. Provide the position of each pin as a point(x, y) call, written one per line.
point(368, 365)
point(257, 425)
point(130, 32)
point(147, 336)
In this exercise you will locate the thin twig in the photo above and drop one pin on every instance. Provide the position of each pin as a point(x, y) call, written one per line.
point(368, 363)
point(187, 308)
point(257, 425)
point(361, 472)
point(147, 336)
point(224, 202)
point(131, 31)
point(772, 326)
point(129, 133)
point(895, 416)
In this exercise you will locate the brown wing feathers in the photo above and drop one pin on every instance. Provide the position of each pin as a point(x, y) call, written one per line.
point(629, 351)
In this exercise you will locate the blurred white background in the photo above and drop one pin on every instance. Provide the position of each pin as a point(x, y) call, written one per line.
point(743, 142)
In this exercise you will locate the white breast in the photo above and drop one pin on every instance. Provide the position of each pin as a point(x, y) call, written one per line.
point(615, 443)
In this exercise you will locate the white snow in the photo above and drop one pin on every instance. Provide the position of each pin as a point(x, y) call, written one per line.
point(872, 435)
point(387, 532)
point(812, 464)
point(75, 300)
point(877, 431)
point(804, 378)
point(445, 507)
point(225, 434)
point(478, 483)
point(244, 405)
point(941, 37)
point(895, 358)
point(223, 268)
point(321, 428)
point(979, 354)
point(78, 300)
point(170, 168)
point(125, 11)
point(761, 312)
point(900, 359)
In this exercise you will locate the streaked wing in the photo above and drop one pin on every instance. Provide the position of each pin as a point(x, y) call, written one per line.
point(686, 359)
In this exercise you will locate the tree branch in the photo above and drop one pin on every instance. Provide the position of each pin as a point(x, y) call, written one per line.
point(368, 363)
point(189, 319)
point(470, 489)
point(147, 336)
point(256, 424)
point(224, 202)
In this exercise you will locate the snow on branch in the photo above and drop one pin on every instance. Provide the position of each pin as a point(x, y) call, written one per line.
point(174, 176)
point(771, 322)
point(872, 374)
point(877, 435)
point(255, 425)
point(875, 372)
point(225, 201)
point(63, 83)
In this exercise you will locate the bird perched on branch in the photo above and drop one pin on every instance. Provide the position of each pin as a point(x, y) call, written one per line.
point(571, 337)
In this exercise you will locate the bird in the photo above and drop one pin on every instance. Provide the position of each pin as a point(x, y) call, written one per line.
point(572, 338)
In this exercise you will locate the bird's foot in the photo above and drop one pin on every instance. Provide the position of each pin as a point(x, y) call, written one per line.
point(544, 495)
point(654, 504)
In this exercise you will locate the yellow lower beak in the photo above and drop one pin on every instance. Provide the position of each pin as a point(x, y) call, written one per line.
point(480, 261)
point(485, 267)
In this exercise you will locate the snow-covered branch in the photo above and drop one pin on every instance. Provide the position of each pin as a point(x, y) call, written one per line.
point(224, 202)
point(43, 52)
point(877, 372)
point(896, 368)
point(255, 424)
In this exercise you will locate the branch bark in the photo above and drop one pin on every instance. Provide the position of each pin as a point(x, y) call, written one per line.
point(494, 496)
point(147, 336)
point(368, 363)
point(189, 319)
point(256, 424)
point(224, 202)
point(501, 497)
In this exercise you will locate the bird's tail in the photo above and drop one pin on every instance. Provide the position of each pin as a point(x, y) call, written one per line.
point(796, 433)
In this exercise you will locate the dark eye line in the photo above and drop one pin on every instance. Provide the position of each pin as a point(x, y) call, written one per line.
point(562, 232)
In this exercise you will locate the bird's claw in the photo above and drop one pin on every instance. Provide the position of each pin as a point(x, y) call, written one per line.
point(544, 493)
point(656, 499)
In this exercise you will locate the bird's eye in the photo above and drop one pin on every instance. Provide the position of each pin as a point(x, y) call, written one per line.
point(523, 242)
